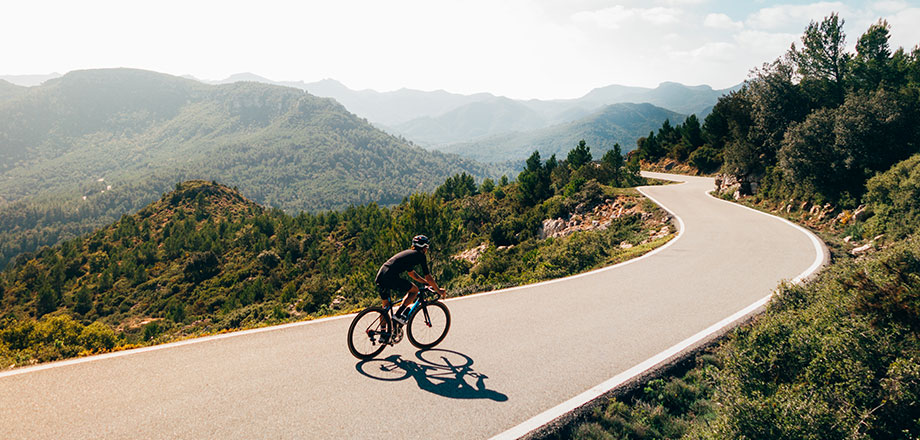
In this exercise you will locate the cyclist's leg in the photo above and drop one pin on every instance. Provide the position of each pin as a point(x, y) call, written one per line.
point(410, 296)
point(384, 292)
point(411, 291)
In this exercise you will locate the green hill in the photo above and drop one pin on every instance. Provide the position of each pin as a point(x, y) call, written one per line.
point(439, 117)
point(203, 258)
point(670, 95)
point(81, 150)
point(618, 123)
point(474, 120)
point(9, 90)
point(279, 145)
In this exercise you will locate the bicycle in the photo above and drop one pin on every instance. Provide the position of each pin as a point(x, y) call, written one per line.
point(428, 323)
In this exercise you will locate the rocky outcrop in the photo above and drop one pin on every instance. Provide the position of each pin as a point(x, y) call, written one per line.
point(657, 235)
point(734, 185)
point(585, 218)
point(597, 219)
point(472, 255)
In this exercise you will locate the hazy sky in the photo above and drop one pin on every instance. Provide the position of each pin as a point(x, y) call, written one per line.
point(516, 48)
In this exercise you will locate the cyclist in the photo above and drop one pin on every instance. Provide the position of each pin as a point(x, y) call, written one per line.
point(388, 277)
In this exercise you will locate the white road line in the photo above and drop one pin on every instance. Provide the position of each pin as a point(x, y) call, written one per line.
point(680, 233)
point(64, 363)
point(116, 354)
point(615, 381)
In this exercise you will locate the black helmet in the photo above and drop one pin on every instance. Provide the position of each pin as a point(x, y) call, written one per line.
point(420, 241)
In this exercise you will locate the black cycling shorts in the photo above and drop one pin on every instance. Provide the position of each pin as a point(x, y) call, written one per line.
point(385, 284)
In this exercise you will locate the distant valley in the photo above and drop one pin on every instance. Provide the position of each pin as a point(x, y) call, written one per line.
point(453, 122)
point(81, 150)
point(483, 126)
point(614, 124)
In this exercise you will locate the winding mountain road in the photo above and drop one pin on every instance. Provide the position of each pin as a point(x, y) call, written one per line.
point(513, 360)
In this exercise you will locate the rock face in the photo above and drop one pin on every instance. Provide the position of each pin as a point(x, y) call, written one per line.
point(861, 213)
point(585, 219)
point(472, 255)
point(734, 185)
point(597, 219)
point(659, 234)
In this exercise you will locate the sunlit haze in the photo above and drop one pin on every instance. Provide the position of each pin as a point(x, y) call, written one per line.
point(521, 49)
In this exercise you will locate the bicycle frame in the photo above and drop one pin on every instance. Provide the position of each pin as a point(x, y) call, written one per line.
point(384, 330)
point(420, 299)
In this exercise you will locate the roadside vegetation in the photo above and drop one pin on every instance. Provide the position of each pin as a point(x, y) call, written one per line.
point(203, 259)
point(830, 139)
point(837, 358)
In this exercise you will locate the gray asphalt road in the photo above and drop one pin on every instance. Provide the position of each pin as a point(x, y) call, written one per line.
point(509, 356)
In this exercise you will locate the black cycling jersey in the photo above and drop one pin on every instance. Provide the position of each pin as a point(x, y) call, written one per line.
point(404, 262)
point(388, 277)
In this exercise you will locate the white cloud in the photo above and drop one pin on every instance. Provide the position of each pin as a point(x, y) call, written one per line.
point(722, 21)
point(889, 6)
point(684, 2)
point(786, 17)
point(905, 31)
point(718, 52)
point(766, 43)
point(610, 18)
point(661, 15)
point(519, 48)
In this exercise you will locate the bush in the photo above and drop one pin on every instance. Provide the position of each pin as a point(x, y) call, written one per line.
point(201, 266)
point(97, 337)
point(830, 360)
point(269, 259)
point(706, 159)
point(894, 198)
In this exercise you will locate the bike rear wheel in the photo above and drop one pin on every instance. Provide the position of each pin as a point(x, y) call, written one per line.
point(368, 333)
point(428, 325)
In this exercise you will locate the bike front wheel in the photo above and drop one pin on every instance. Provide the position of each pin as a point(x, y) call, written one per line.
point(428, 325)
point(369, 333)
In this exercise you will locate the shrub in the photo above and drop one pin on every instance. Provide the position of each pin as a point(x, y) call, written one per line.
point(201, 266)
point(894, 197)
point(706, 159)
point(269, 259)
point(831, 360)
point(97, 337)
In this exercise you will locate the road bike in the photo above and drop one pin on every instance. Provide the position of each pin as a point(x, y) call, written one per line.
point(374, 327)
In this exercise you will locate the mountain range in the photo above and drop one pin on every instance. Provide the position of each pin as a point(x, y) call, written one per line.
point(281, 146)
point(438, 119)
point(81, 150)
point(454, 122)
point(614, 124)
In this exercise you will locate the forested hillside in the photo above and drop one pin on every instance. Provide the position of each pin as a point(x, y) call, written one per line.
point(837, 357)
point(538, 122)
point(9, 90)
point(439, 118)
point(614, 124)
point(475, 120)
point(817, 123)
point(205, 259)
point(83, 149)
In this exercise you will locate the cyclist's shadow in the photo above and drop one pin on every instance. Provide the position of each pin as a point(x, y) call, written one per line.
point(443, 372)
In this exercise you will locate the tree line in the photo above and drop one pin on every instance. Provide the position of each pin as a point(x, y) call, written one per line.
point(203, 258)
point(815, 124)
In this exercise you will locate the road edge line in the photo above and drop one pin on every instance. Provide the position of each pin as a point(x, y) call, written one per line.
point(534, 423)
point(680, 233)
point(116, 354)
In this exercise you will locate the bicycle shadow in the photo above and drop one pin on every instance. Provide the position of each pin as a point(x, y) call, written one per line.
point(443, 372)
